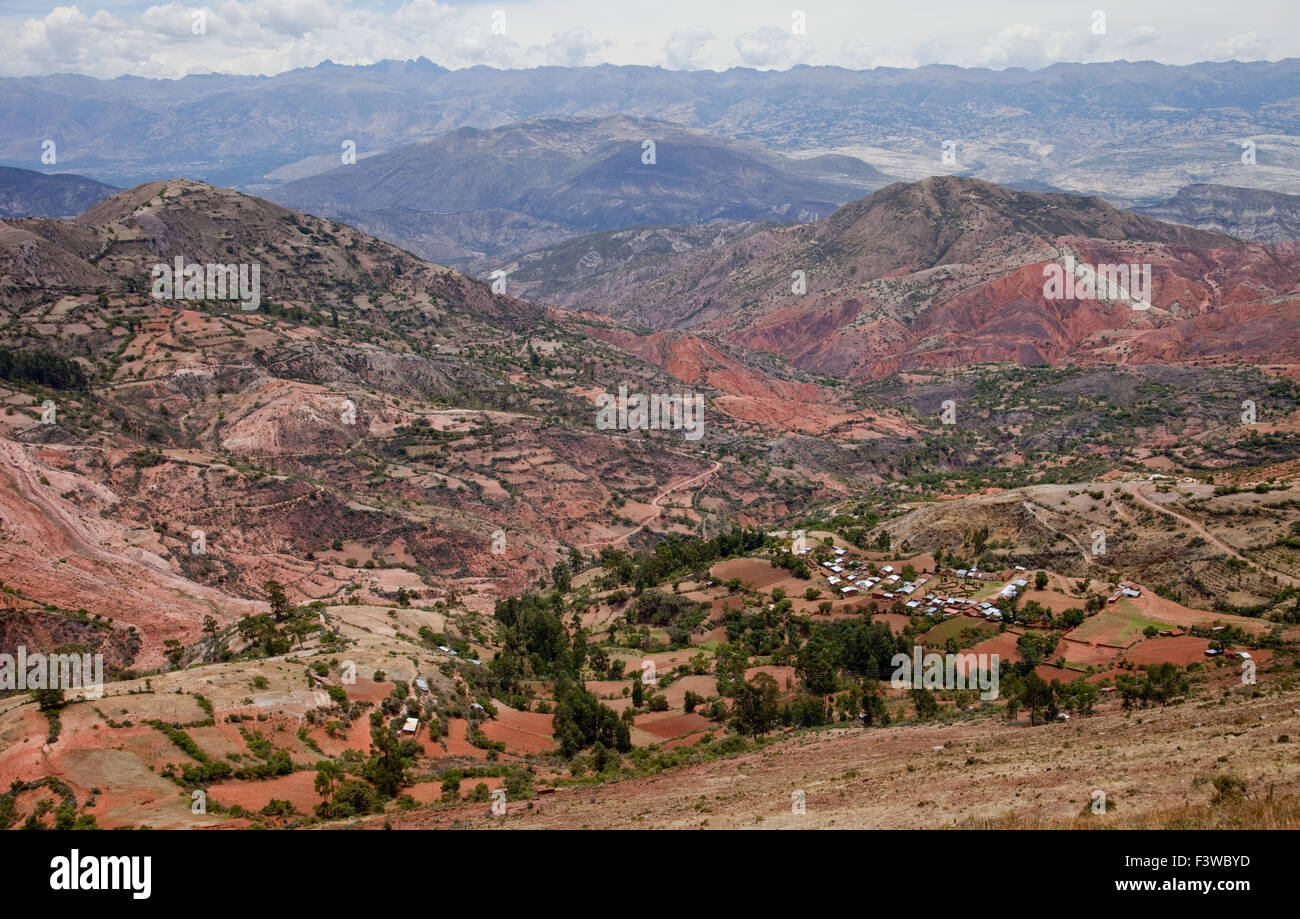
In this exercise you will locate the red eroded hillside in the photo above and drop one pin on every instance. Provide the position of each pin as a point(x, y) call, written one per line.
point(748, 394)
point(951, 271)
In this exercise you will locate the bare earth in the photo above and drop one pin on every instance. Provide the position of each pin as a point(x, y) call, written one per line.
point(896, 778)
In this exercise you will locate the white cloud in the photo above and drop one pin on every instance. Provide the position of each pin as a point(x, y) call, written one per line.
point(572, 48)
point(771, 47)
point(1246, 46)
point(687, 49)
point(269, 36)
point(1033, 46)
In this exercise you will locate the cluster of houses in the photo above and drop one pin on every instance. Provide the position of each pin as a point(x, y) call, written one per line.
point(975, 574)
point(1215, 652)
point(885, 586)
point(842, 575)
point(889, 585)
point(957, 606)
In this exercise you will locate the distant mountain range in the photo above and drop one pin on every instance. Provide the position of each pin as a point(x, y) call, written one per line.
point(27, 193)
point(473, 192)
point(1247, 213)
point(1130, 131)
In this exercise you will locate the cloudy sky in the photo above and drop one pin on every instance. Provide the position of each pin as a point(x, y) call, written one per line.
point(109, 38)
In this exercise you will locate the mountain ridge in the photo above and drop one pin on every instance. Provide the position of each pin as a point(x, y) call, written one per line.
point(949, 271)
point(1246, 213)
point(28, 193)
point(1051, 125)
point(552, 176)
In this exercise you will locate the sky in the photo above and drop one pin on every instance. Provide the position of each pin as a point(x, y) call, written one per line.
point(111, 38)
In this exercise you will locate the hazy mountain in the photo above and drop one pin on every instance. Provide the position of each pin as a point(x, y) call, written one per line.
point(27, 193)
point(905, 228)
point(1069, 125)
point(453, 239)
point(1247, 213)
point(525, 185)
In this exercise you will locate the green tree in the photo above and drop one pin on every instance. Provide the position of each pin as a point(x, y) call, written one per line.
point(815, 665)
point(755, 708)
point(48, 699)
point(729, 668)
point(580, 720)
point(927, 706)
point(561, 576)
point(1032, 692)
point(281, 608)
point(328, 774)
point(389, 758)
point(1079, 697)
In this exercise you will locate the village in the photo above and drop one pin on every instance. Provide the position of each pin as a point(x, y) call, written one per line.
point(1124, 618)
point(848, 577)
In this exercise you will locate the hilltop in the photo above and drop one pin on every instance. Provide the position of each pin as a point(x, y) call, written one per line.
point(949, 272)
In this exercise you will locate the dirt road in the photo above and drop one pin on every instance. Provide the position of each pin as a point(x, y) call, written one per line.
point(1200, 530)
point(657, 504)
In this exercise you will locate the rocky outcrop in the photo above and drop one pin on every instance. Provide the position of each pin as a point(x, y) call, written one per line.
point(1246, 213)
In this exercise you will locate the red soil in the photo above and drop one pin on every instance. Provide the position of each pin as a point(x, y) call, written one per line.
point(896, 621)
point(780, 674)
point(521, 732)
point(1182, 651)
point(753, 571)
point(668, 725)
point(298, 788)
point(1002, 644)
point(703, 685)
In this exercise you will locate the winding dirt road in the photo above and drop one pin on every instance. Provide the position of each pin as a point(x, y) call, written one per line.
point(1200, 530)
point(657, 504)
